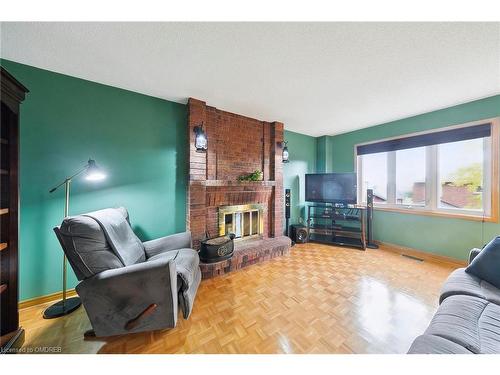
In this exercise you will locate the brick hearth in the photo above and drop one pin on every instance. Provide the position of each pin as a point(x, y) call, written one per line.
point(246, 253)
point(237, 145)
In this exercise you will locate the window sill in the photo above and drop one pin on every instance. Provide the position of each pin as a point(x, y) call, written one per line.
point(451, 215)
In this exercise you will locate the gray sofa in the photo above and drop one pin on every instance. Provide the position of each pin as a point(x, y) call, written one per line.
point(467, 320)
point(128, 285)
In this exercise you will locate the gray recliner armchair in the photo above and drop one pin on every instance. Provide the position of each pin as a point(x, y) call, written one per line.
point(128, 285)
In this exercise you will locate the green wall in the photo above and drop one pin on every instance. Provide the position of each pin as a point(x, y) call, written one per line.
point(302, 150)
point(449, 237)
point(323, 154)
point(139, 140)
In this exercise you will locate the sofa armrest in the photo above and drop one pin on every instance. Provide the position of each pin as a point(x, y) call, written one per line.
point(473, 253)
point(116, 297)
point(168, 243)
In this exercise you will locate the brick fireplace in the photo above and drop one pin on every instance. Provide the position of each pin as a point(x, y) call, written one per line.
point(237, 145)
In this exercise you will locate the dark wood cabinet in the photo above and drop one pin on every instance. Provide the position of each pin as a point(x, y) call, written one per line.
point(12, 94)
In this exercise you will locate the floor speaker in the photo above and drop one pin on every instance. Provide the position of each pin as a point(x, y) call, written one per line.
point(287, 203)
point(369, 219)
point(287, 210)
point(298, 233)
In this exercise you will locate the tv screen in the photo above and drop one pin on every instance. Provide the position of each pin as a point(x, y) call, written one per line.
point(331, 188)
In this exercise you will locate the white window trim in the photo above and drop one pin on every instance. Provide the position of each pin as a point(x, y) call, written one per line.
point(490, 183)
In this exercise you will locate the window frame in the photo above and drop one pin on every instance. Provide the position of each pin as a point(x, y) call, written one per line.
point(491, 155)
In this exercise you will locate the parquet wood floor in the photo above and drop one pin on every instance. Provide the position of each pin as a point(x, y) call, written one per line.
point(319, 299)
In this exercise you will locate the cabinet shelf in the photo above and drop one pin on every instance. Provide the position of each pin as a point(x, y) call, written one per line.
point(12, 94)
point(337, 240)
point(351, 231)
point(336, 217)
point(336, 226)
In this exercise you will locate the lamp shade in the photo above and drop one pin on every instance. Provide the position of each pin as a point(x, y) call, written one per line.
point(94, 173)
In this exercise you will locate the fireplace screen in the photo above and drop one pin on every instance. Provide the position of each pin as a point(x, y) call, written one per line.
point(242, 220)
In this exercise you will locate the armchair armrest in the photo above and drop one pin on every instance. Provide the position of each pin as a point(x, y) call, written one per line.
point(115, 298)
point(168, 243)
point(473, 253)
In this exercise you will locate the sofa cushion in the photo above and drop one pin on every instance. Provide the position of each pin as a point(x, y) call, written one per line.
point(486, 265)
point(167, 255)
point(168, 243)
point(122, 239)
point(429, 344)
point(86, 247)
point(462, 283)
point(470, 322)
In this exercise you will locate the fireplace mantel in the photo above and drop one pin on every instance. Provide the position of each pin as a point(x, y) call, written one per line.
point(238, 183)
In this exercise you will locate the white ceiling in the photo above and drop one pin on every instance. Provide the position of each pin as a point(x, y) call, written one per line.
point(317, 78)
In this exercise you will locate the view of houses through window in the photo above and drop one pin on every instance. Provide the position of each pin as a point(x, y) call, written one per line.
point(447, 176)
point(461, 174)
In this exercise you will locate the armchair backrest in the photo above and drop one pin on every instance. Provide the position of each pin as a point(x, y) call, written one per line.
point(99, 241)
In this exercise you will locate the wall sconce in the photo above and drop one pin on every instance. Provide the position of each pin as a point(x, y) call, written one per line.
point(200, 140)
point(285, 154)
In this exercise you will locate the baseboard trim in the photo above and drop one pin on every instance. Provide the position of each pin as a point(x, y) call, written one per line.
point(44, 299)
point(426, 256)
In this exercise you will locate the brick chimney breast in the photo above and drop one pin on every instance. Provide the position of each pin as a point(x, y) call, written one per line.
point(237, 145)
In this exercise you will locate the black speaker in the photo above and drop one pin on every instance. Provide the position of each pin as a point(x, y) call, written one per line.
point(369, 219)
point(287, 203)
point(369, 198)
point(299, 233)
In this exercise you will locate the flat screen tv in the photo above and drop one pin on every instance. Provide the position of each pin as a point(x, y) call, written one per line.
point(336, 188)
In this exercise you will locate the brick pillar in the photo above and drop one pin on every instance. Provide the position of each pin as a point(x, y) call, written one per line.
point(196, 205)
point(267, 150)
point(276, 171)
point(211, 129)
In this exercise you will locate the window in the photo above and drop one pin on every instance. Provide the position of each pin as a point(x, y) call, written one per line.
point(461, 174)
point(410, 176)
point(450, 171)
point(375, 176)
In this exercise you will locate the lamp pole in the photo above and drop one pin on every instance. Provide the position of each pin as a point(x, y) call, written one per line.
point(65, 260)
point(67, 305)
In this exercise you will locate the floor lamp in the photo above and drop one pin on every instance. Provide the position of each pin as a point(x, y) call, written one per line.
point(68, 305)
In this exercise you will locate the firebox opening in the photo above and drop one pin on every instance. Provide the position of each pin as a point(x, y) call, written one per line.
point(244, 221)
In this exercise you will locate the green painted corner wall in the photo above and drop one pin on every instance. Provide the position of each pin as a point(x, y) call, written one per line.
point(302, 150)
point(139, 140)
point(323, 154)
point(444, 236)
